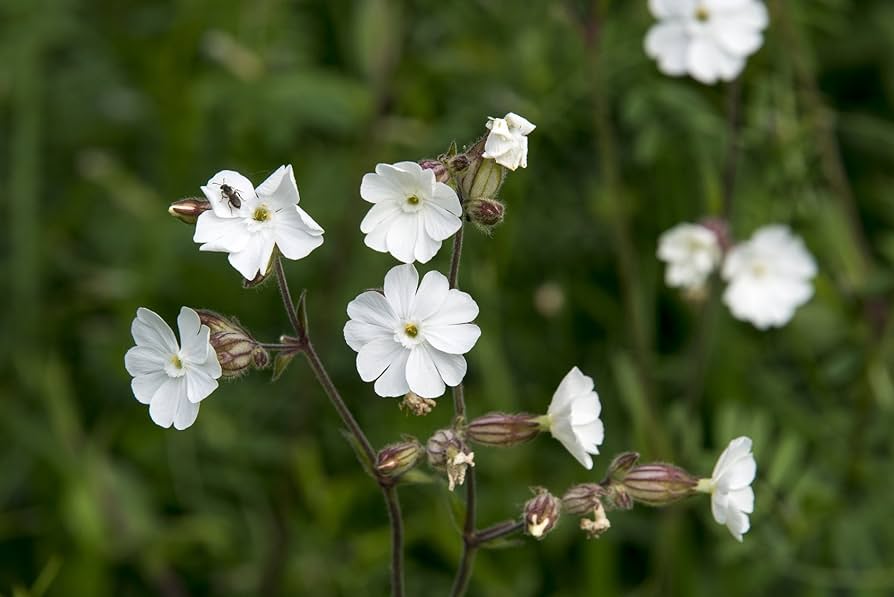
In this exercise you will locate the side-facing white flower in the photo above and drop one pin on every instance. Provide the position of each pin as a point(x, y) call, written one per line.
point(507, 142)
point(411, 213)
point(573, 416)
point(410, 339)
point(249, 223)
point(708, 39)
point(732, 498)
point(769, 277)
point(691, 252)
point(170, 379)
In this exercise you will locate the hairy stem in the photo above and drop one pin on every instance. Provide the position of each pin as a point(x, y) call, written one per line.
point(397, 540)
point(499, 530)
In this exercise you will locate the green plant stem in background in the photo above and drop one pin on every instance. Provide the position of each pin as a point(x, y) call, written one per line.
point(368, 454)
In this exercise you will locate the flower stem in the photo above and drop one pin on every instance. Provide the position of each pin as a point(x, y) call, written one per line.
point(733, 124)
point(397, 540)
point(499, 530)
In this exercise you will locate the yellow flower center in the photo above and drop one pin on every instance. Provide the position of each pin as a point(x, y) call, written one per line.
point(702, 14)
point(261, 214)
point(411, 330)
point(175, 360)
point(413, 200)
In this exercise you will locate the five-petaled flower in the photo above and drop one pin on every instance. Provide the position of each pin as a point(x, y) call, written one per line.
point(573, 416)
point(410, 339)
point(769, 277)
point(250, 223)
point(170, 379)
point(732, 498)
point(691, 252)
point(507, 142)
point(411, 213)
point(708, 39)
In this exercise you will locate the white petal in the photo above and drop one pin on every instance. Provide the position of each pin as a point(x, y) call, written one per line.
point(401, 237)
point(453, 339)
point(431, 295)
point(668, 43)
point(519, 124)
point(199, 385)
point(142, 360)
point(374, 357)
point(145, 386)
point(440, 224)
point(734, 451)
point(293, 236)
point(255, 258)
point(186, 414)
point(209, 367)
point(426, 247)
point(193, 336)
point(736, 39)
point(422, 375)
point(742, 499)
point(378, 214)
point(377, 187)
point(401, 282)
point(359, 334)
point(458, 307)
point(220, 205)
point(280, 190)
point(164, 403)
point(372, 307)
point(566, 436)
point(708, 63)
point(451, 367)
point(445, 198)
point(221, 234)
point(737, 523)
point(591, 435)
point(148, 329)
point(393, 382)
point(574, 384)
point(663, 9)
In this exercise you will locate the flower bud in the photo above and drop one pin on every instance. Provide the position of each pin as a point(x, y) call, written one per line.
point(446, 451)
point(621, 465)
point(394, 460)
point(438, 167)
point(485, 213)
point(541, 513)
point(583, 498)
point(188, 210)
point(417, 405)
point(658, 484)
point(236, 350)
point(503, 430)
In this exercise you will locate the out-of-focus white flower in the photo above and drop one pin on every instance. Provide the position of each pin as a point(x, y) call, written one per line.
point(573, 416)
point(170, 379)
point(732, 498)
point(507, 142)
point(249, 223)
point(411, 213)
point(410, 339)
point(769, 277)
point(691, 252)
point(708, 39)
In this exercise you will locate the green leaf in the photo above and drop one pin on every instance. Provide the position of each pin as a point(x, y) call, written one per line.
point(280, 363)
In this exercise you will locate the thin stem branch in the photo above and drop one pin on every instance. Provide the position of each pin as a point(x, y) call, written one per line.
point(287, 301)
point(397, 540)
point(464, 573)
point(457, 254)
point(276, 346)
point(733, 125)
point(499, 530)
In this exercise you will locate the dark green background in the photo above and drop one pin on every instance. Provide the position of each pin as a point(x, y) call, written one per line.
point(110, 110)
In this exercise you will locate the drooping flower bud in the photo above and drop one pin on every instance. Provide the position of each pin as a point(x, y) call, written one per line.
point(188, 210)
point(596, 526)
point(438, 167)
point(446, 451)
point(394, 460)
point(658, 484)
point(582, 499)
point(485, 213)
point(417, 405)
point(237, 351)
point(541, 513)
point(503, 430)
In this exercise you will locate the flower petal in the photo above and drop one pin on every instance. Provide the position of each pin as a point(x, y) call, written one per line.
point(142, 360)
point(379, 187)
point(145, 386)
point(431, 295)
point(378, 214)
point(401, 237)
point(358, 334)
point(422, 375)
point(440, 224)
point(451, 367)
point(401, 282)
point(374, 357)
point(458, 307)
point(372, 307)
point(164, 403)
point(148, 329)
point(445, 198)
point(453, 339)
point(293, 236)
point(255, 258)
point(186, 414)
point(221, 205)
point(393, 382)
point(199, 384)
point(221, 234)
point(193, 336)
point(280, 189)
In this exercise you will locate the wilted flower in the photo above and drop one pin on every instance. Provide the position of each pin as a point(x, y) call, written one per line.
point(249, 224)
point(410, 339)
point(417, 405)
point(170, 379)
point(412, 212)
point(769, 277)
point(573, 416)
point(541, 513)
point(692, 253)
point(507, 142)
point(596, 526)
point(732, 498)
point(446, 451)
point(709, 39)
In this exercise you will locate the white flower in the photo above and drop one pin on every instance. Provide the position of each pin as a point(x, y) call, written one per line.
point(573, 416)
point(412, 340)
point(709, 39)
point(507, 142)
point(769, 277)
point(732, 498)
point(691, 252)
point(248, 223)
point(170, 379)
point(412, 212)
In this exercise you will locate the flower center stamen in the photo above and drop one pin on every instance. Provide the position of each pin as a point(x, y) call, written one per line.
point(413, 200)
point(411, 330)
point(759, 270)
point(176, 362)
point(261, 214)
point(702, 14)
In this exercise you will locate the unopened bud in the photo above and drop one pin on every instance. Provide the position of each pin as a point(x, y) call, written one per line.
point(621, 465)
point(503, 430)
point(541, 513)
point(485, 213)
point(237, 351)
point(596, 526)
point(487, 181)
point(188, 210)
point(417, 405)
point(582, 499)
point(658, 484)
point(438, 167)
point(446, 451)
point(394, 460)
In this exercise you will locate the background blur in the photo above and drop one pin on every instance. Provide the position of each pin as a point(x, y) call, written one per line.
point(111, 110)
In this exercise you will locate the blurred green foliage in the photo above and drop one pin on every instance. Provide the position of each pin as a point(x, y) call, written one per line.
point(110, 110)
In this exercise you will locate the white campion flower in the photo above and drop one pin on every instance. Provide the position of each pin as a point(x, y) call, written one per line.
point(507, 142)
point(573, 416)
point(411, 213)
point(409, 338)
point(692, 252)
point(170, 379)
point(769, 277)
point(249, 223)
point(708, 39)
point(732, 498)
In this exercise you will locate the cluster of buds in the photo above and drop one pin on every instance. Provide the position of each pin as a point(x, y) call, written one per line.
point(541, 513)
point(394, 460)
point(504, 430)
point(237, 351)
point(447, 452)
